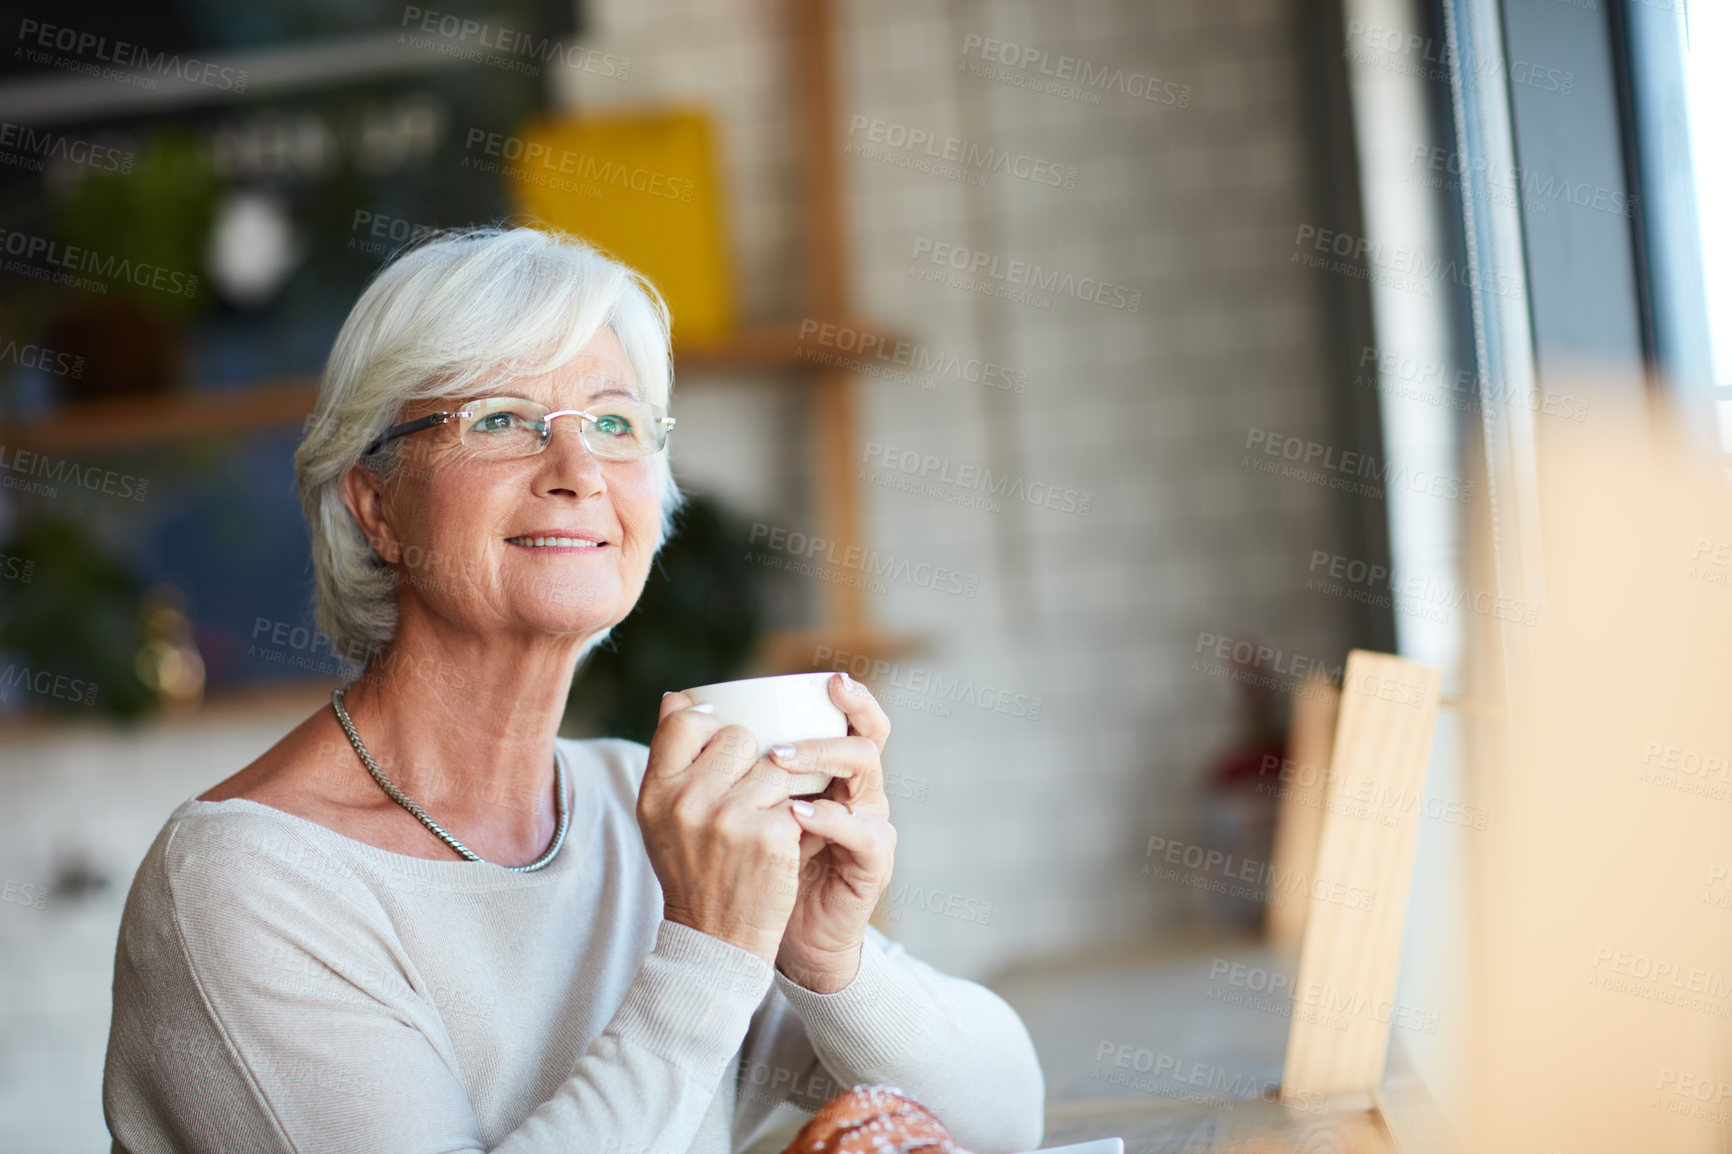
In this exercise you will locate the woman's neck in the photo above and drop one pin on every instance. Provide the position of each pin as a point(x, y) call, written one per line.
point(465, 727)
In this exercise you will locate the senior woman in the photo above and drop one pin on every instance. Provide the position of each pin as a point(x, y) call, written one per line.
point(422, 922)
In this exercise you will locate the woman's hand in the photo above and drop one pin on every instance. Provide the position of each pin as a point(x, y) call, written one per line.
point(849, 845)
point(716, 822)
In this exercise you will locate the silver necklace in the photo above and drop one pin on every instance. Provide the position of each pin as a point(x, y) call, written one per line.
point(402, 798)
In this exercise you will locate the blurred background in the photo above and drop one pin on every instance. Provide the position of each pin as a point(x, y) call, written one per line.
point(1087, 376)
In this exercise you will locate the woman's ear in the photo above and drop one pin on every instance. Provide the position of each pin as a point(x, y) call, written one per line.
point(364, 494)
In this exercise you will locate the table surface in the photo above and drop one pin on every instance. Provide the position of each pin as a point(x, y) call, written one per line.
point(1139, 1043)
point(1248, 1127)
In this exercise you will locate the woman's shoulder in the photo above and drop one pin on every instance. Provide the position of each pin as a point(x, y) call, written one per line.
point(239, 833)
point(226, 880)
point(223, 856)
point(257, 836)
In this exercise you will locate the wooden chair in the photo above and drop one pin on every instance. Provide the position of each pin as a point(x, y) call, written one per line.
point(1352, 897)
point(1300, 798)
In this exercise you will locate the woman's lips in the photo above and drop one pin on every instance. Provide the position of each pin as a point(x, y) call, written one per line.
point(555, 542)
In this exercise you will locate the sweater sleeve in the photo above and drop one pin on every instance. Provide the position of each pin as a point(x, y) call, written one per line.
point(257, 1010)
point(952, 1044)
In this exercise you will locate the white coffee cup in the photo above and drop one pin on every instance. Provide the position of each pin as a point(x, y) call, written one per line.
point(793, 707)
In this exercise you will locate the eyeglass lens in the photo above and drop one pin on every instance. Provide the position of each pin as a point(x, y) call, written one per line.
point(501, 427)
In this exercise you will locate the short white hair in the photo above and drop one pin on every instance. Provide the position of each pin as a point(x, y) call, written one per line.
point(463, 307)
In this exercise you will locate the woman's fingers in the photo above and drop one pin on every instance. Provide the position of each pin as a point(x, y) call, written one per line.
point(728, 756)
point(671, 702)
point(811, 845)
point(764, 785)
point(679, 739)
point(865, 716)
point(852, 760)
point(849, 756)
point(872, 840)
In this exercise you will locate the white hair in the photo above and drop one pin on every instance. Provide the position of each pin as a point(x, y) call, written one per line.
point(464, 307)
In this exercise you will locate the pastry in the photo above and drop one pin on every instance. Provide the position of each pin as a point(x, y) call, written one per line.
point(873, 1120)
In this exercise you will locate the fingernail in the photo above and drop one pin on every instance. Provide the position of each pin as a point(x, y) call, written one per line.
point(849, 685)
point(669, 693)
point(783, 752)
point(706, 707)
point(803, 808)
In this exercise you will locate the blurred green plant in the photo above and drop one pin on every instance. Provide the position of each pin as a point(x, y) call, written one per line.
point(80, 615)
point(698, 621)
point(160, 214)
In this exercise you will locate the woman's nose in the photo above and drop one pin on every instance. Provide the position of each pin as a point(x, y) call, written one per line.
point(567, 463)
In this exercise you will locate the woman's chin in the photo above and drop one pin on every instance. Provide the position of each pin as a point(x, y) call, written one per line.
point(573, 608)
point(586, 597)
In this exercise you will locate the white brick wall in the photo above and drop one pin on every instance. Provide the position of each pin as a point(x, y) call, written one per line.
point(1148, 412)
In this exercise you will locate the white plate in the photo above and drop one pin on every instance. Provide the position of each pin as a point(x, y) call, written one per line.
point(1098, 1146)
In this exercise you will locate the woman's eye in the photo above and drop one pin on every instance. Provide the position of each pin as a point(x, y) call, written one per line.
point(496, 422)
point(613, 426)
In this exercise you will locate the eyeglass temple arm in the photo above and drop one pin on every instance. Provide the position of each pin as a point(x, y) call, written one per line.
point(406, 428)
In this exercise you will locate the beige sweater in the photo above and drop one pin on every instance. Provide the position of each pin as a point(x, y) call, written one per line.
point(280, 987)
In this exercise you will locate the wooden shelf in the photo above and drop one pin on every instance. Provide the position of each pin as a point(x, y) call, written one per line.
point(129, 421)
point(777, 348)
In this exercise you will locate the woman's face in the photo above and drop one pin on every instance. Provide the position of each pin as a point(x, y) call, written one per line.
point(462, 533)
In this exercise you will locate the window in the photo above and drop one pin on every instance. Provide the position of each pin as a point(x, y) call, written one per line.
point(1706, 31)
